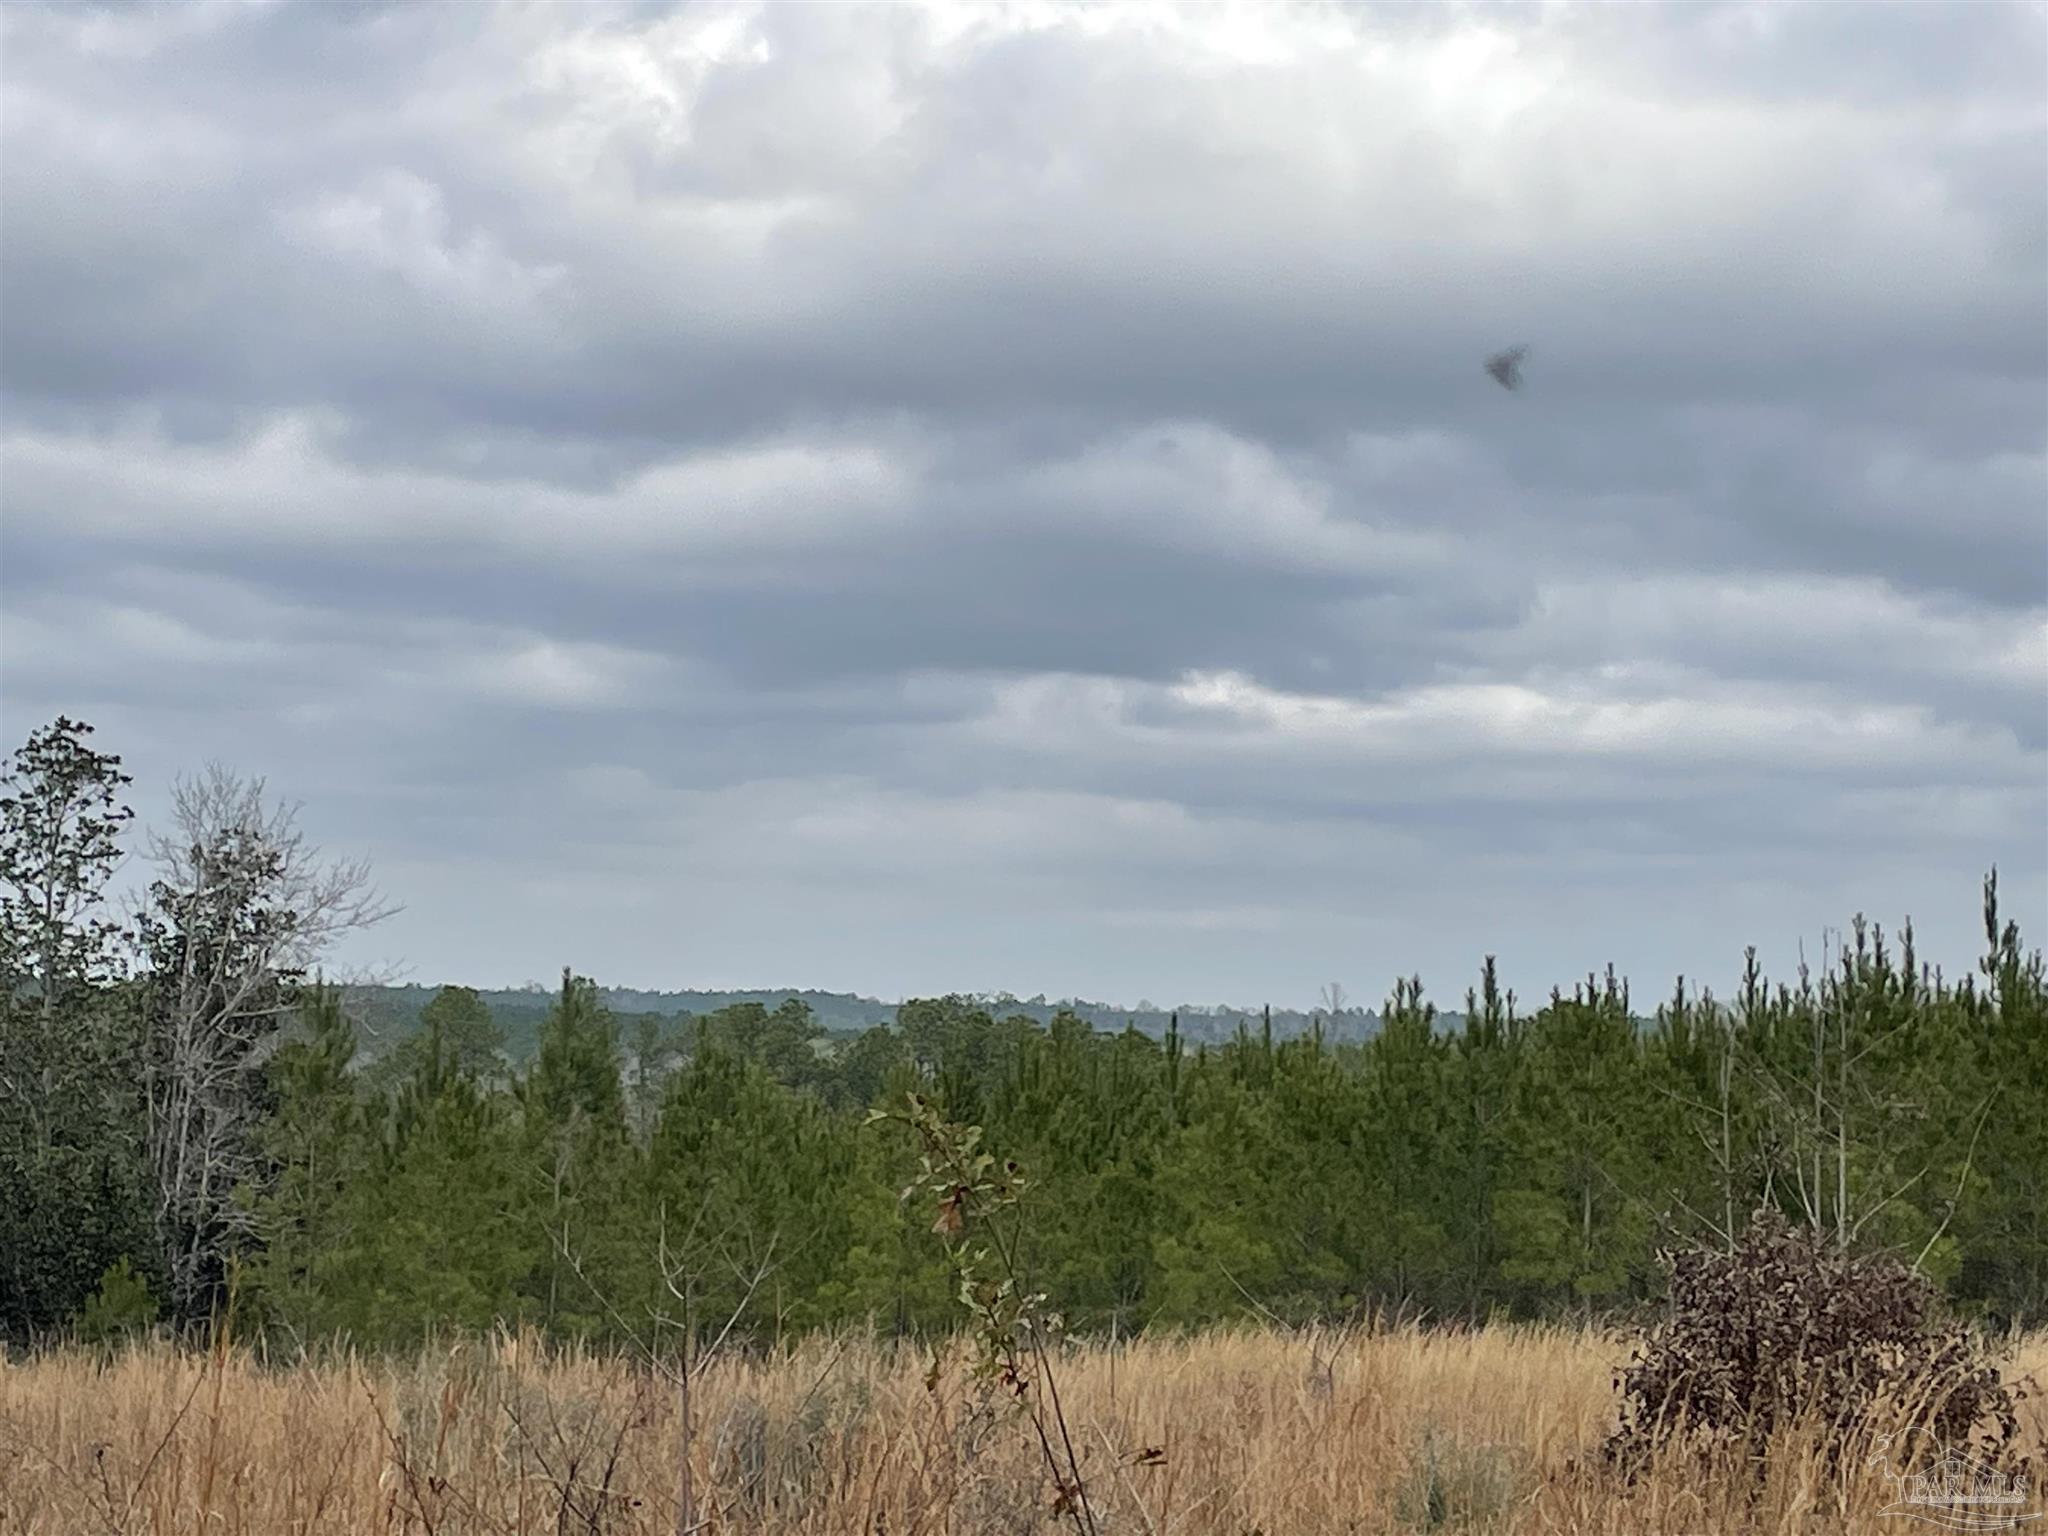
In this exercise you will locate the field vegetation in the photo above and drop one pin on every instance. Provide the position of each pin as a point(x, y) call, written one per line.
point(1223, 1433)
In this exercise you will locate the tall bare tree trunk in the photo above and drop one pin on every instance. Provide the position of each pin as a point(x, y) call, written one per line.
point(686, 1486)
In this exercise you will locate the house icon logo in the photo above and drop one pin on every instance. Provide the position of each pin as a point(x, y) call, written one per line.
point(1959, 1493)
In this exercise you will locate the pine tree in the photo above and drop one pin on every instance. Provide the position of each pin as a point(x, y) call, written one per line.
point(317, 1139)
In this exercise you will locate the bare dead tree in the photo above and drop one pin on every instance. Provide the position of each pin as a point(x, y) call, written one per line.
point(241, 909)
point(681, 1265)
point(1332, 1001)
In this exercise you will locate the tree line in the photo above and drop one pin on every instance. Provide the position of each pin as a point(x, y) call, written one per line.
point(187, 1114)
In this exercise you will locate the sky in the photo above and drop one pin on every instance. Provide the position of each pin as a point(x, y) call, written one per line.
point(931, 498)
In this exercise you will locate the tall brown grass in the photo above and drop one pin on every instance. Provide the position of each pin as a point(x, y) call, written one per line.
point(1223, 1434)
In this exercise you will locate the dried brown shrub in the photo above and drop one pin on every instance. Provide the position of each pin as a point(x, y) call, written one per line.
point(1788, 1329)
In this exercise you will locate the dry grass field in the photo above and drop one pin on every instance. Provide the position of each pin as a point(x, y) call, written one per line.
point(1218, 1435)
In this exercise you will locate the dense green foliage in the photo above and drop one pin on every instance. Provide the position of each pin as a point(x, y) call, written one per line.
point(70, 1176)
point(1528, 1161)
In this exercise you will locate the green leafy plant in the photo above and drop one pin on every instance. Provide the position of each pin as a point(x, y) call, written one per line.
point(975, 1202)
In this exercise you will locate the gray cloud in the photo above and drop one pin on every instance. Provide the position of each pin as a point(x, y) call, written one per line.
point(907, 498)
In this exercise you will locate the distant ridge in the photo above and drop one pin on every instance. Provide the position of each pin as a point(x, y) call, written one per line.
point(391, 1013)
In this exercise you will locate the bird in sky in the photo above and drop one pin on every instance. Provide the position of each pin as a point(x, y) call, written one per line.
point(1506, 367)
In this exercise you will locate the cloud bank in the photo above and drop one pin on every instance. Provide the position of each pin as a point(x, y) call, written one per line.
point(925, 497)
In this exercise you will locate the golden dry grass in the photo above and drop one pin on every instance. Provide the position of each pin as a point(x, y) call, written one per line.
point(1388, 1431)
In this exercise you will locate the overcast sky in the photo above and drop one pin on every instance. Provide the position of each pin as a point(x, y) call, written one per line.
point(931, 498)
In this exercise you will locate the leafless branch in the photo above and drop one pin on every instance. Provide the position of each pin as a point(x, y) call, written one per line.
point(1962, 1178)
point(241, 910)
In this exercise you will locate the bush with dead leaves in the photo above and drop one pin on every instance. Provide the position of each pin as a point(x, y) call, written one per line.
point(1788, 1329)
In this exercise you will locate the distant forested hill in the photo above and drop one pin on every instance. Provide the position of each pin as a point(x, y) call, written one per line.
point(390, 1014)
